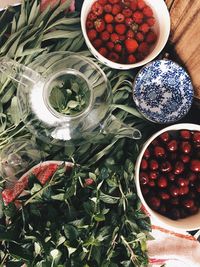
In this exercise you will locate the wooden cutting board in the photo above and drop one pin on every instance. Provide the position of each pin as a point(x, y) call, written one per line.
point(6, 3)
point(185, 36)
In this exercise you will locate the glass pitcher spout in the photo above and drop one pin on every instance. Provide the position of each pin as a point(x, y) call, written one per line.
point(18, 72)
point(115, 126)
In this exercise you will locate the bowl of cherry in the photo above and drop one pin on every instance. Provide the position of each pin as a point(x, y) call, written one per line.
point(125, 34)
point(167, 175)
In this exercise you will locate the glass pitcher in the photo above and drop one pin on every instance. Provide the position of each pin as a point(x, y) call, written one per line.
point(65, 96)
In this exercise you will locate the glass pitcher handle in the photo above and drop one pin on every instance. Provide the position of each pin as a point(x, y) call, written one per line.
point(18, 72)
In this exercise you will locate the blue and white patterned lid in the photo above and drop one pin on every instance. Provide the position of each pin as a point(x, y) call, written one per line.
point(163, 91)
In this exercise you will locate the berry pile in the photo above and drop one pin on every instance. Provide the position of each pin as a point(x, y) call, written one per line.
point(170, 174)
point(121, 30)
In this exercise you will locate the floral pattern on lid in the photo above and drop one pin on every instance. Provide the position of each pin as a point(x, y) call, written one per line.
point(163, 91)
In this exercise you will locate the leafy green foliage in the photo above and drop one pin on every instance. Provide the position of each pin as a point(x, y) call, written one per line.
point(80, 227)
point(66, 223)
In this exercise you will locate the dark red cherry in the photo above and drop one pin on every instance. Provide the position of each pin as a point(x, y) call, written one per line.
point(162, 182)
point(188, 203)
point(185, 158)
point(174, 190)
point(154, 203)
point(145, 190)
point(153, 175)
point(193, 210)
point(159, 151)
point(164, 195)
point(197, 186)
point(191, 176)
point(171, 176)
point(185, 147)
point(172, 145)
point(163, 209)
point(195, 165)
point(185, 134)
point(153, 164)
point(144, 178)
point(196, 137)
point(165, 137)
point(175, 201)
point(147, 154)
point(144, 164)
point(175, 214)
point(166, 166)
point(183, 190)
point(179, 167)
point(182, 181)
point(151, 183)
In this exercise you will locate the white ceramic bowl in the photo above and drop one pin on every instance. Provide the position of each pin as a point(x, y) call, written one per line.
point(162, 29)
point(187, 224)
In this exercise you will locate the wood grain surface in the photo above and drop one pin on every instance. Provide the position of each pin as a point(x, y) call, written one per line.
point(185, 36)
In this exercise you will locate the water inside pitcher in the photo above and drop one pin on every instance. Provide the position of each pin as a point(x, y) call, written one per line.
point(64, 96)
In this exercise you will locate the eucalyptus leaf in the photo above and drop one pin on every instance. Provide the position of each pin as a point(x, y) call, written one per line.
point(14, 111)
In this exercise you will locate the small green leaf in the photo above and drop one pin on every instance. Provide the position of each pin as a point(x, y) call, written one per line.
point(108, 199)
point(99, 217)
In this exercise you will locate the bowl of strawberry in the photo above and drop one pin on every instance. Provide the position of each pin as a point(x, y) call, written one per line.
point(167, 176)
point(125, 34)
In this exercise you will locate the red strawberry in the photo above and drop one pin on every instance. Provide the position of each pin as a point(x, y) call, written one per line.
point(141, 4)
point(113, 57)
point(92, 16)
point(120, 28)
point(151, 37)
point(114, 1)
point(133, 5)
point(103, 2)
point(92, 34)
point(130, 34)
point(147, 11)
point(138, 17)
point(122, 37)
point(10, 194)
point(119, 18)
point(99, 25)
point(97, 43)
point(131, 45)
point(107, 8)
point(109, 28)
point(105, 36)
point(47, 173)
point(139, 37)
point(89, 24)
point(128, 21)
point(127, 12)
point(108, 18)
point(88, 182)
point(118, 48)
point(131, 59)
point(114, 37)
point(143, 48)
point(144, 28)
point(110, 45)
point(151, 21)
point(103, 51)
point(116, 9)
point(97, 8)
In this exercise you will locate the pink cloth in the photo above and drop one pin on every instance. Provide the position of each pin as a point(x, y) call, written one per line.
point(45, 3)
point(173, 249)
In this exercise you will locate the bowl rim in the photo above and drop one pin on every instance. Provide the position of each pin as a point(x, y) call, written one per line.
point(159, 219)
point(111, 64)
